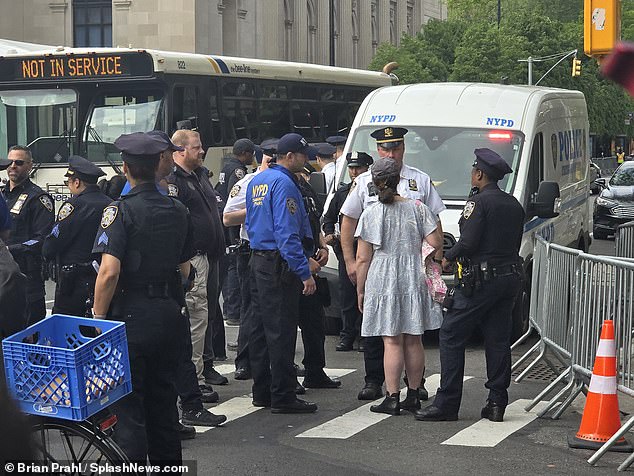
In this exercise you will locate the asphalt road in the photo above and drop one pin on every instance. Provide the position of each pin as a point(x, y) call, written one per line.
point(345, 438)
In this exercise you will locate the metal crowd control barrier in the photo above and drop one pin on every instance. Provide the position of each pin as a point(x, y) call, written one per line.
point(624, 240)
point(572, 294)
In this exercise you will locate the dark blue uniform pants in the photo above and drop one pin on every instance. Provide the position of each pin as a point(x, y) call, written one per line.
point(230, 288)
point(491, 308)
point(311, 322)
point(275, 300)
point(73, 303)
point(215, 343)
point(246, 311)
point(148, 417)
point(350, 314)
point(186, 379)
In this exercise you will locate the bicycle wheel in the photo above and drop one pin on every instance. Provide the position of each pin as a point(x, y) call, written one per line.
point(75, 445)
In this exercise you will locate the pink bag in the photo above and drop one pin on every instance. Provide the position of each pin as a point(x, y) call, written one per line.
point(433, 275)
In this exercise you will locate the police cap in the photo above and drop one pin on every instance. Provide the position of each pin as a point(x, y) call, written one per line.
point(83, 169)
point(326, 151)
point(292, 142)
point(169, 145)
point(389, 137)
point(490, 162)
point(336, 140)
point(384, 168)
point(359, 159)
point(269, 146)
point(311, 152)
point(139, 147)
point(243, 146)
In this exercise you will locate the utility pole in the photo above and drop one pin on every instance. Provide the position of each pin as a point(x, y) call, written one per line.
point(530, 70)
point(500, 13)
point(530, 60)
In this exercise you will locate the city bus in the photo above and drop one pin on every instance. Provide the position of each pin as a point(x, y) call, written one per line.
point(61, 101)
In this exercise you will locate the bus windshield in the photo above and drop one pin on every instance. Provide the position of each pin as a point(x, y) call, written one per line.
point(446, 154)
point(43, 119)
point(117, 113)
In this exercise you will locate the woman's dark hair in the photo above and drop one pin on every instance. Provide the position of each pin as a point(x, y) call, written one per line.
point(145, 172)
point(387, 187)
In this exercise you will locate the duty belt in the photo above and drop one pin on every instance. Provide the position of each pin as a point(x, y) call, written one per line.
point(488, 272)
point(266, 253)
point(152, 290)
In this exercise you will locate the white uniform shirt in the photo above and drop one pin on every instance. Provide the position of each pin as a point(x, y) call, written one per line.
point(329, 172)
point(237, 200)
point(414, 184)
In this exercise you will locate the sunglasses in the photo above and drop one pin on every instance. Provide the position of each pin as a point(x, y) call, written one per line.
point(18, 163)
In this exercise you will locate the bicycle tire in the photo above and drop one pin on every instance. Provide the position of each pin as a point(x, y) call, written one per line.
point(68, 442)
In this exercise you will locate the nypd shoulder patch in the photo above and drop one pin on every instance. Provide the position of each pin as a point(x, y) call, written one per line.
point(172, 190)
point(47, 202)
point(468, 209)
point(291, 204)
point(235, 190)
point(239, 173)
point(108, 216)
point(65, 211)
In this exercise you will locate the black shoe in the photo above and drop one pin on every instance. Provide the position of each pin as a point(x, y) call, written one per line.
point(390, 405)
point(232, 322)
point(493, 411)
point(202, 418)
point(208, 395)
point(299, 389)
point(344, 346)
point(361, 345)
point(423, 394)
point(186, 432)
point(432, 413)
point(261, 403)
point(212, 377)
point(242, 373)
point(412, 401)
point(370, 391)
point(299, 371)
point(297, 406)
point(232, 345)
point(322, 382)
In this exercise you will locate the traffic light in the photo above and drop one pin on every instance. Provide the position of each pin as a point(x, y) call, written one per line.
point(601, 26)
point(576, 67)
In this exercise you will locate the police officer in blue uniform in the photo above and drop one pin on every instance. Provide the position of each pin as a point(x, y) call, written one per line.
point(32, 214)
point(144, 238)
point(281, 240)
point(69, 245)
point(489, 278)
point(358, 163)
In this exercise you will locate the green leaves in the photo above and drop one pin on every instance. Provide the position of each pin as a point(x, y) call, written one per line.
point(469, 46)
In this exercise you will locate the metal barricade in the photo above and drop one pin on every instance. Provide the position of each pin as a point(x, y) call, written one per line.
point(624, 240)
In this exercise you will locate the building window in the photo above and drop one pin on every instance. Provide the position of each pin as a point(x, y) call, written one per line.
point(375, 26)
point(92, 22)
point(312, 30)
point(410, 17)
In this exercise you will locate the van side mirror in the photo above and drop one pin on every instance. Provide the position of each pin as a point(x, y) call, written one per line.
point(317, 181)
point(545, 203)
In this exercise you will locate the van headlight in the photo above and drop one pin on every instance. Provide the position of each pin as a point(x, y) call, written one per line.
point(605, 202)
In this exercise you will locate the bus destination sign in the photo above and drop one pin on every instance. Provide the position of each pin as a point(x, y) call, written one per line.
point(76, 67)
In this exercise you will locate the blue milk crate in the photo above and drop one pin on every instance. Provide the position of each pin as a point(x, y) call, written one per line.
point(66, 372)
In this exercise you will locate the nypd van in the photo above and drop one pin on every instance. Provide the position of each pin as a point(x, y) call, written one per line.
point(541, 132)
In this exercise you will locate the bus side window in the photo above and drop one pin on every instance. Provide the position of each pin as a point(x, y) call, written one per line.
point(536, 168)
point(214, 114)
point(239, 108)
point(185, 105)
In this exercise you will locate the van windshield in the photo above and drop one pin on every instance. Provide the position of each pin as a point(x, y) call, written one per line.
point(446, 154)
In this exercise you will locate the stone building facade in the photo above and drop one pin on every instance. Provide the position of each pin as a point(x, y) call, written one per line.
point(339, 32)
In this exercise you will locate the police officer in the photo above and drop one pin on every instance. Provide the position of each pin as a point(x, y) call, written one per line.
point(491, 229)
point(69, 245)
point(414, 184)
point(235, 169)
point(234, 215)
point(358, 163)
point(143, 239)
point(326, 160)
point(32, 216)
point(281, 241)
point(339, 142)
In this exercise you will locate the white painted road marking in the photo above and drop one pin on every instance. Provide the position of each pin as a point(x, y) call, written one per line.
point(355, 421)
point(488, 434)
point(234, 408)
point(332, 373)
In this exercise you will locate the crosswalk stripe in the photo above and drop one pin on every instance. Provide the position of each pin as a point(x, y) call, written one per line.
point(234, 409)
point(485, 433)
point(332, 373)
point(225, 369)
point(355, 421)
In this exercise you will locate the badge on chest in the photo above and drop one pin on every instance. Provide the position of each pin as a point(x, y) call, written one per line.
point(19, 203)
point(413, 186)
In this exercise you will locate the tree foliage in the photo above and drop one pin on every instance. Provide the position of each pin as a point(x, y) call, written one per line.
point(470, 46)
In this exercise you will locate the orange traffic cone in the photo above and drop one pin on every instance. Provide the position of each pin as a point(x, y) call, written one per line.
point(601, 414)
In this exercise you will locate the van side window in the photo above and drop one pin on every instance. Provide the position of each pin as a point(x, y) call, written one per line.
point(536, 167)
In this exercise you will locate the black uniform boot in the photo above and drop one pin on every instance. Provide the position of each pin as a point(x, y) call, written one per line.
point(412, 401)
point(390, 405)
point(423, 394)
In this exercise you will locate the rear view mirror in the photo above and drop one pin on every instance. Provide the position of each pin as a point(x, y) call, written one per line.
point(317, 182)
point(546, 201)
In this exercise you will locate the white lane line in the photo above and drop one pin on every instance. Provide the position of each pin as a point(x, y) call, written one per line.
point(225, 369)
point(50, 302)
point(332, 373)
point(234, 408)
point(485, 433)
point(355, 421)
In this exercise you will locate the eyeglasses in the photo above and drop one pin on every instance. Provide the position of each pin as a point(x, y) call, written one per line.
point(17, 163)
